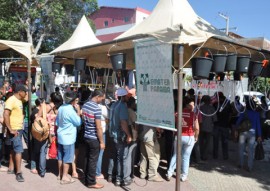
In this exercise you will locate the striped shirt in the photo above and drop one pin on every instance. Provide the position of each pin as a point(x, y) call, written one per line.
point(90, 112)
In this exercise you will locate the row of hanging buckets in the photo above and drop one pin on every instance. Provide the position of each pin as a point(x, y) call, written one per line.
point(220, 63)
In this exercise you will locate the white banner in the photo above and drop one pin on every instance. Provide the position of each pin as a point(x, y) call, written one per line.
point(154, 84)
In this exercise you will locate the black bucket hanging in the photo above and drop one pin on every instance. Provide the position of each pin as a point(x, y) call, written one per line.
point(242, 64)
point(219, 63)
point(80, 64)
point(255, 68)
point(266, 70)
point(201, 67)
point(69, 69)
point(56, 67)
point(231, 62)
point(118, 61)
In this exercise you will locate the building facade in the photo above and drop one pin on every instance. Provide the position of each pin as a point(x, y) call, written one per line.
point(110, 22)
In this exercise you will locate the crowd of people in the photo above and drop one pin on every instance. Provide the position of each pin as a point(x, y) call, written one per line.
point(99, 127)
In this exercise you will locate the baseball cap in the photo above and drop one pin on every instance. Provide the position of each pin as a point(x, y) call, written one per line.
point(21, 87)
point(121, 92)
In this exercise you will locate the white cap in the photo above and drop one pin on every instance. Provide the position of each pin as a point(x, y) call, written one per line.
point(121, 92)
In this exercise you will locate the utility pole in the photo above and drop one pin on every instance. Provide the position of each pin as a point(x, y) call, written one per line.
point(227, 22)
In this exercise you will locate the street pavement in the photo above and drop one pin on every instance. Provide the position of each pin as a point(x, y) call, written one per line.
point(214, 175)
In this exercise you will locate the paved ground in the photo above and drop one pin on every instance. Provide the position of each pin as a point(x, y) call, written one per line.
point(224, 175)
point(215, 175)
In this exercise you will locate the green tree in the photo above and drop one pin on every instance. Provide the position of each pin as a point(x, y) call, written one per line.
point(260, 84)
point(44, 23)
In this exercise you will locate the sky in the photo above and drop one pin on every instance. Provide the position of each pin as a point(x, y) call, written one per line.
point(250, 17)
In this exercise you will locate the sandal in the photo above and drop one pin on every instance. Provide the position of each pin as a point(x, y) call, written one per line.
point(77, 176)
point(10, 171)
point(67, 181)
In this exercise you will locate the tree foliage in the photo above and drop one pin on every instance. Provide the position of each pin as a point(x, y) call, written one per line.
point(44, 23)
point(260, 84)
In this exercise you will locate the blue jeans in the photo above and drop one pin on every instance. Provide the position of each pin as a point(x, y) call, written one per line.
point(39, 153)
point(187, 145)
point(100, 157)
point(250, 137)
point(112, 156)
point(123, 168)
point(16, 142)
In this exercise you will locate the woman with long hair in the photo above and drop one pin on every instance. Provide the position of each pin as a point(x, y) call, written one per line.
point(39, 148)
point(190, 133)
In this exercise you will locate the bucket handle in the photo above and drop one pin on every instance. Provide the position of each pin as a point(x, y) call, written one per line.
point(195, 51)
point(264, 58)
point(225, 49)
point(247, 51)
point(235, 51)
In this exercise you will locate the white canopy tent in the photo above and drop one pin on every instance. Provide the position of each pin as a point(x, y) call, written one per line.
point(164, 23)
point(23, 48)
point(82, 36)
point(165, 20)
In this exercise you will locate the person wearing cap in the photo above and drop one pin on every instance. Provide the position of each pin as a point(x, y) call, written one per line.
point(13, 117)
point(67, 120)
point(121, 136)
point(93, 137)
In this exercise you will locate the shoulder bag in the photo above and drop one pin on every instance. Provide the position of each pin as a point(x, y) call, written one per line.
point(245, 124)
point(40, 127)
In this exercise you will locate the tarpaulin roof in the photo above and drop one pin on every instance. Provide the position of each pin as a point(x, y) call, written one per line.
point(165, 21)
point(82, 36)
point(23, 48)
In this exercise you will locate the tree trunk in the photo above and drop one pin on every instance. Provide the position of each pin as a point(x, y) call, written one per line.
point(39, 43)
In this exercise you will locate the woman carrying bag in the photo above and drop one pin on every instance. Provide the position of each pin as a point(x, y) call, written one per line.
point(39, 150)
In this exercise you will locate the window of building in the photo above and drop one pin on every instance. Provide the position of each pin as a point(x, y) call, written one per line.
point(126, 19)
point(106, 23)
point(112, 20)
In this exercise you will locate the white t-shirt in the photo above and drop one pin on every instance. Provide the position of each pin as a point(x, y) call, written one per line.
point(104, 116)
